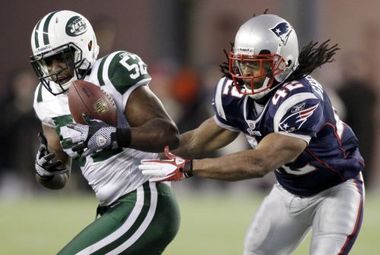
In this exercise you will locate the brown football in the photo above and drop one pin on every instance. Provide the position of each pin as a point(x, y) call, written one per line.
point(87, 98)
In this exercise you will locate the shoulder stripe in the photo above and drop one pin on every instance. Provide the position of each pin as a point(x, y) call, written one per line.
point(100, 71)
point(39, 96)
point(287, 104)
point(46, 28)
point(106, 66)
point(218, 97)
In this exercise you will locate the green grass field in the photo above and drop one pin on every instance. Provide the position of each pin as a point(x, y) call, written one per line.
point(211, 224)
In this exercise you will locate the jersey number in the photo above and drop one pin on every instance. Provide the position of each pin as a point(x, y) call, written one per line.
point(283, 92)
point(137, 67)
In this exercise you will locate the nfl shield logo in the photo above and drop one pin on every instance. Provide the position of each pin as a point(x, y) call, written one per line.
point(282, 30)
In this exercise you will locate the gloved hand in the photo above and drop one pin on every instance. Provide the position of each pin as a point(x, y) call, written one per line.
point(45, 165)
point(174, 168)
point(90, 138)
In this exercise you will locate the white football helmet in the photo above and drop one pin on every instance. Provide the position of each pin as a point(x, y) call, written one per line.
point(64, 36)
point(265, 51)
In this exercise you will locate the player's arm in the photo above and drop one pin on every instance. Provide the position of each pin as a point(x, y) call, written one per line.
point(207, 138)
point(57, 174)
point(151, 127)
point(273, 151)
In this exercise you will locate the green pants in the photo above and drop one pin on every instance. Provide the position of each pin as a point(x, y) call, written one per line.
point(143, 222)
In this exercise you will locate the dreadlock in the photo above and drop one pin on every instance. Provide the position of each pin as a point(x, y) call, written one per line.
point(311, 57)
point(223, 67)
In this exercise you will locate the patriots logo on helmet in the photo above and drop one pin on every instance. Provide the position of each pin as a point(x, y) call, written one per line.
point(295, 120)
point(282, 30)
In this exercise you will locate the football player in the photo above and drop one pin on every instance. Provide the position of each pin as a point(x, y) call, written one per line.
point(287, 117)
point(136, 216)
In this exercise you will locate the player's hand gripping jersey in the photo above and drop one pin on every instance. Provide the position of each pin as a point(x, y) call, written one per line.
point(301, 109)
point(111, 173)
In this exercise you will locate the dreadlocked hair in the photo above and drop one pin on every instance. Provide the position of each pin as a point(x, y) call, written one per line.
point(224, 67)
point(313, 56)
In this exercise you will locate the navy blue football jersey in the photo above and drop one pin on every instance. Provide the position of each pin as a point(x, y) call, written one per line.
point(300, 109)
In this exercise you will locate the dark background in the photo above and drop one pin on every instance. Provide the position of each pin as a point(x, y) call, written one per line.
point(182, 43)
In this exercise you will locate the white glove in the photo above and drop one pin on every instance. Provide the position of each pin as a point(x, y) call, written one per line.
point(174, 168)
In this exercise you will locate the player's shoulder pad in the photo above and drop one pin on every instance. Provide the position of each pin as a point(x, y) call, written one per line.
point(38, 97)
point(123, 70)
point(296, 91)
point(47, 106)
point(42, 95)
point(295, 102)
point(225, 98)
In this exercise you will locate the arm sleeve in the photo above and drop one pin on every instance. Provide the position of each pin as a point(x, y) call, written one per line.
point(221, 116)
point(126, 72)
point(301, 115)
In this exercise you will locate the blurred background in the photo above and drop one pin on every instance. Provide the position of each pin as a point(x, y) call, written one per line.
point(182, 42)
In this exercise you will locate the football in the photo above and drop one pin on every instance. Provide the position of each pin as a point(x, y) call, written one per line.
point(86, 98)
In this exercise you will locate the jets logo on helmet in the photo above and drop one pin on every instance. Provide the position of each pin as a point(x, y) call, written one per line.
point(76, 26)
point(282, 30)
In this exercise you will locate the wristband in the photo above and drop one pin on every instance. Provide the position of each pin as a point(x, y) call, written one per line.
point(123, 137)
point(188, 168)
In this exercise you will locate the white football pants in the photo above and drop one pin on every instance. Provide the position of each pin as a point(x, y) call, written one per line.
point(283, 220)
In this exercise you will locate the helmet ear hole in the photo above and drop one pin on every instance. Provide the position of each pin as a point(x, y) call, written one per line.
point(89, 45)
